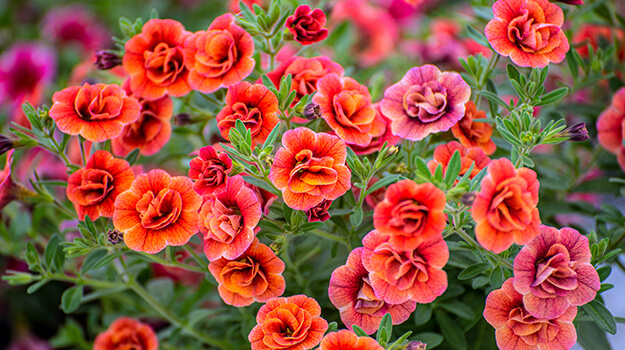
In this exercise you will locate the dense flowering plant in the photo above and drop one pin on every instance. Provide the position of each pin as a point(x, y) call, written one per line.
point(294, 175)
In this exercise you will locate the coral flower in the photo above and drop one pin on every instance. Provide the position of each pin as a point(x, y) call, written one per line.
point(254, 105)
point(221, 56)
point(505, 209)
point(474, 134)
point(346, 340)
point(97, 112)
point(310, 168)
point(126, 333)
point(400, 275)
point(150, 132)
point(553, 272)
point(255, 275)
point(517, 329)
point(9, 189)
point(209, 171)
point(410, 213)
point(292, 323)
point(306, 25)
point(529, 31)
point(377, 141)
point(228, 219)
point(347, 107)
point(611, 127)
point(425, 101)
point(158, 210)
point(474, 155)
point(319, 212)
point(155, 60)
point(94, 188)
point(352, 294)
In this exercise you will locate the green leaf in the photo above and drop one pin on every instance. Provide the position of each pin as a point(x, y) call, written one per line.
point(70, 300)
point(453, 169)
point(452, 333)
point(601, 315)
point(35, 287)
point(356, 217)
point(513, 73)
point(260, 183)
point(422, 314)
point(133, 156)
point(387, 180)
point(273, 135)
point(97, 259)
point(591, 337)
point(494, 98)
point(332, 327)
point(496, 277)
point(162, 289)
point(359, 331)
point(477, 36)
point(387, 325)
point(473, 271)
point(53, 255)
point(431, 339)
point(552, 97)
point(459, 309)
point(309, 226)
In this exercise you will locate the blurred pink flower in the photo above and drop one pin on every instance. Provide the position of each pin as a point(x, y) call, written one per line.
point(75, 25)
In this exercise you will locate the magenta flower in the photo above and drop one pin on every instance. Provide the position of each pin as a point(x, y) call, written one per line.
point(352, 294)
point(75, 25)
point(553, 272)
point(425, 101)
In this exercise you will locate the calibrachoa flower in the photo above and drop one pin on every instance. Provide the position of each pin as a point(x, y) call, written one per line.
point(319, 212)
point(94, 188)
point(598, 36)
point(553, 272)
point(529, 31)
point(265, 198)
point(227, 220)
point(346, 340)
point(307, 26)
point(398, 275)
point(75, 25)
point(126, 333)
point(517, 329)
point(425, 101)
point(9, 189)
point(292, 323)
point(611, 127)
point(221, 56)
point(505, 209)
point(473, 155)
point(347, 108)
point(410, 214)
point(255, 275)
point(158, 210)
point(150, 132)
point(254, 105)
point(209, 171)
point(155, 60)
point(352, 294)
point(97, 112)
point(310, 168)
point(474, 134)
point(377, 141)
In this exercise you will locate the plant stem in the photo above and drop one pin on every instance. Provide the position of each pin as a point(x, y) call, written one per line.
point(467, 238)
point(194, 255)
point(330, 237)
point(158, 260)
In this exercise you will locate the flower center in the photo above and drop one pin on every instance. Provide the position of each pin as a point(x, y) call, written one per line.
point(366, 301)
point(226, 222)
point(531, 330)
point(426, 102)
point(402, 269)
point(530, 32)
point(95, 185)
point(410, 216)
point(353, 110)
point(244, 273)
point(312, 170)
point(218, 55)
point(160, 211)
point(555, 273)
point(94, 103)
point(164, 64)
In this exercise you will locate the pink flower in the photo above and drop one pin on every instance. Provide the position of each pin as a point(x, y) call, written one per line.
point(75, 25)
point(307, 26)
point(553, 272)
point(425, 101)
point(209, 171)
point(319, 212)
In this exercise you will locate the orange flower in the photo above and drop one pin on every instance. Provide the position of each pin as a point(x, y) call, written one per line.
point(346, 340)
point(505, 209)
point(150, 132)
point(158, 210)
point(474, 134)
point(378, 141)
point(210, 170)
point(94, 188)
point(227, 220)
point(220, 56)
point(611, 127)
point(155, 60)
point(410, 213)
point(254, 105)
point(292, 323)
point(474, 155)
point(310, 168)
point(126, 333)
point(256, 275)
point(97, 112)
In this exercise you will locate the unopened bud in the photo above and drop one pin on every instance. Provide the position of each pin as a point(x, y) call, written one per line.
point(106, 59)
point(115, 236)
point(576, 132)
point(468, 198)
point(416, 345)
point(181, 119)
point(312, 111)
point(392, 150)
point(6, 144)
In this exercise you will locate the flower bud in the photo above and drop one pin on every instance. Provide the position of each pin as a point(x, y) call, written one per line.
point(181, 119)
point(468, 198)
point(416, 345)
point(312, 111)
point(576, 132)
point(115, 236)
point(106, 59)
point(6, 144)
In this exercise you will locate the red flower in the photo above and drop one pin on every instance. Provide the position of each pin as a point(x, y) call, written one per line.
point(474, 155)
point(310, 168)
point(352, 294)
point(150, 132)
point(155, 60)
point(210, 171)
point(611, 127)
point(228, 219)
point(94, 188)
point(126, 333)
point(505, 209)
point(9, 189)
point(410, 213)
point(346, 340)
point(255, 275)
point(220, 56)
point(319, 212)
point(292, 323)
point(377, 141)
point(553, 272)
point(254, 105)
point(474, 134)
point(347, 107)
point(233, 5)
point(400, 275)
point(307, 26)
point(425, 101)
point(598, 36)
point(529, 31)
point(97, 112)
point(517, 329)
point(158, 210)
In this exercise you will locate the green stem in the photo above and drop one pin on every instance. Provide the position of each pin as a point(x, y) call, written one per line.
point(194, 255)
point(330, 237)
point(467, 238)
point(158, 260)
